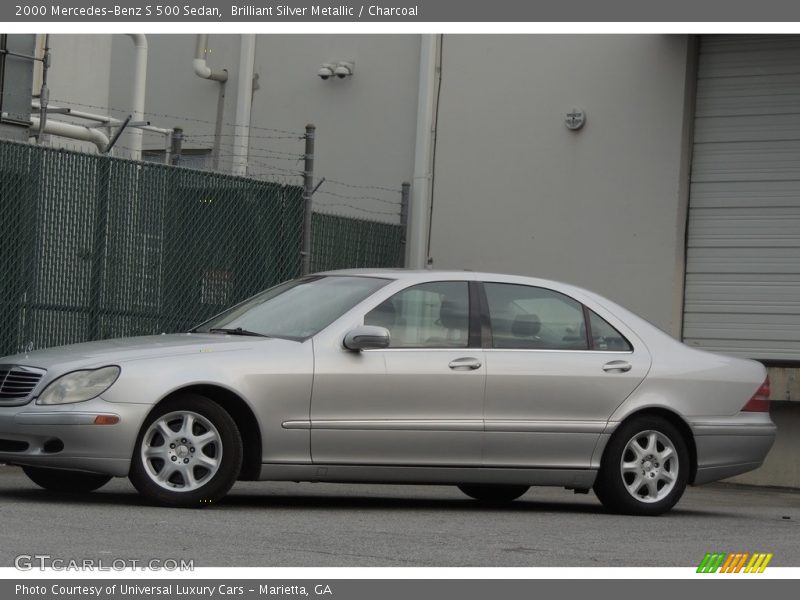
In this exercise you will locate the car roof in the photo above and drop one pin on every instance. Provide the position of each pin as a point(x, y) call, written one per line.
point(423, 275)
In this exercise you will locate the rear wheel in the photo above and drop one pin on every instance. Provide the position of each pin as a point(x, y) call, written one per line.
point(188, 453)
point(493, 494)
point(645, 468)
point(58, 480)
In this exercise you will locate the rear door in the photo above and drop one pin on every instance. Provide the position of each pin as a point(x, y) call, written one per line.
point(555, 372)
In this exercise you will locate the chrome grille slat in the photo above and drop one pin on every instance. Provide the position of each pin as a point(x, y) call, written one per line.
point(18, 382)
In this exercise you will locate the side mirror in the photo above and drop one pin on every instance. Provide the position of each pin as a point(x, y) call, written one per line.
point(367, 337)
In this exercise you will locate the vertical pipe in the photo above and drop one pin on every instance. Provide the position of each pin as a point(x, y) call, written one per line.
point(217, 150)
point(405, 192)
point(168, 148)
point(308, 190)
point(419, 208)
point(201, 69)
point(177, 146)
point(138, 96)
point(44, 91)
point(244, 101)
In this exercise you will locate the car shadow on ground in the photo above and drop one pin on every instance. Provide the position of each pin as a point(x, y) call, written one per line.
point(285, 501)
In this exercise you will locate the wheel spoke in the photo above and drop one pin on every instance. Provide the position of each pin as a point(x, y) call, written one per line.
point(187, 473)
point(652, 488)
point(164, 430)
point(205, 438)
point(652, 438)
point(634, 487)
point(187, 426)
point(154, 451)
point(631, 467)
point(206, 461)
point(665, 454)
point(667, 476)
point(165, 473)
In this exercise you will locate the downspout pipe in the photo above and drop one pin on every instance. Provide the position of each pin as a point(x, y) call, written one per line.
point(139, 83)
point(200, 64)
point(74, 132)
point(201, 69)
point(244, 103)
point(419, 205)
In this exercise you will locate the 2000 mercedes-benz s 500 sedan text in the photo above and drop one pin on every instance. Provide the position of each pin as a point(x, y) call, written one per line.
point(490, 382)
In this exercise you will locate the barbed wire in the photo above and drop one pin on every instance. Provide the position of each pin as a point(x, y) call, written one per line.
point(260, 158)
point(344, 197)
point(362, 187)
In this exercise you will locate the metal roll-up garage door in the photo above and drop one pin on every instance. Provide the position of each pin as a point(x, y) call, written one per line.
point(743, 244)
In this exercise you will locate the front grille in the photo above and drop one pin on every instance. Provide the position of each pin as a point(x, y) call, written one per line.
point(17, 383)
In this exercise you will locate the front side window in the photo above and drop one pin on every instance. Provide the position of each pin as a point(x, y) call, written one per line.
point(430, 315)
point(296, 309)
point(524, 316)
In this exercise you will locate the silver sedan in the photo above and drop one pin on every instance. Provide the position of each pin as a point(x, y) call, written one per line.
point(493, 383)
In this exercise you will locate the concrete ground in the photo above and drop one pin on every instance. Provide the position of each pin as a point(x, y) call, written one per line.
point(288, 524)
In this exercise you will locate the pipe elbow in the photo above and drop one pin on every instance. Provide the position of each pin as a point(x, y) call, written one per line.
point(201, 69)
point(139, 40)
point(75, 132)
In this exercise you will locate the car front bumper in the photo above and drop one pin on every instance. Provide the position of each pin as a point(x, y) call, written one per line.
point(66, 436)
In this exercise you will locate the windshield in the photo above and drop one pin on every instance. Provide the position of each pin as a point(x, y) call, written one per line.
point(296, 309)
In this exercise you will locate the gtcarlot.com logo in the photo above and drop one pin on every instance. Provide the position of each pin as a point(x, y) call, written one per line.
point(736, 562)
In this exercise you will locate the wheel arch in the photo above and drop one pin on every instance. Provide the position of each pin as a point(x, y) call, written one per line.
point(677, 421)
point(242, 415)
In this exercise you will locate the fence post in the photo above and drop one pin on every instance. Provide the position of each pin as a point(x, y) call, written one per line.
point(177, 146)
point(308, 190)
point(405, 194)
point(99, 237)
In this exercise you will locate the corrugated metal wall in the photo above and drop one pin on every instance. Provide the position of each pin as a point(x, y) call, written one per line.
point(743, 250)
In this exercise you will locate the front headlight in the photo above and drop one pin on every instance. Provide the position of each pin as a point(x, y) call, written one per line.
point(79, 386)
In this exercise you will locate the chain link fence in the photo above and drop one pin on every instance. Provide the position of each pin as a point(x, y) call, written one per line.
point(94, 247)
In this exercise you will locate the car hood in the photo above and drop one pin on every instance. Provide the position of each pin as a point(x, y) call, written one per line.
point(94, 354)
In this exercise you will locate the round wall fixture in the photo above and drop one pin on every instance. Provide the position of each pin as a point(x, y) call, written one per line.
point(575, 119)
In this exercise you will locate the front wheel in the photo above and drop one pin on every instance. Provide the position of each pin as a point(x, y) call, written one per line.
point(645, 468)
point(58, 480)
point(493, 494)
point(188, 453)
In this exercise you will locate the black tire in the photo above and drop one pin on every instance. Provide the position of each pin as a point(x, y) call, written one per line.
point(493, 494)
point(205, 485)
point(58, 480)
point(615, 488)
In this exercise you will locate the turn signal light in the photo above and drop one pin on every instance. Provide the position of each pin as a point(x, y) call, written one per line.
point(760, 400)
point(106, 420)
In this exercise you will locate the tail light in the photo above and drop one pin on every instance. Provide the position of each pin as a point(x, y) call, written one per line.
point(760, 400)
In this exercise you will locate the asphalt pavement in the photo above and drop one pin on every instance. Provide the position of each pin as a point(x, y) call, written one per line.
point(264, 524)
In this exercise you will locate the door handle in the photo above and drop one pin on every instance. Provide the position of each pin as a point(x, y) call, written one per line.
point(617, 365)
point(465, 364)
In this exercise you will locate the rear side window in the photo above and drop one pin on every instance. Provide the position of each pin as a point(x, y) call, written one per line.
point(605, 336)
point(524, 316)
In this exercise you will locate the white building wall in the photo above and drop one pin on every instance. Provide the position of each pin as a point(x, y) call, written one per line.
point(79, 76)
point(365, 123)
point(516, 191)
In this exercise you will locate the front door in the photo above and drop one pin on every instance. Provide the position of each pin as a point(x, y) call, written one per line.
point(417, 402)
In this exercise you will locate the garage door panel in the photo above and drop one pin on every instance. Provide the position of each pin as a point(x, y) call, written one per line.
point(740, 194)
point(742, 292)
point(749, 128)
